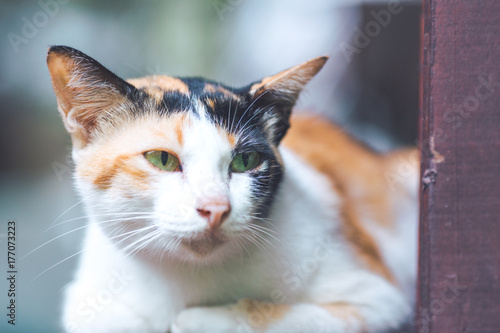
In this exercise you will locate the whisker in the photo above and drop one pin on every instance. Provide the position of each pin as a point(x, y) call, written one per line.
point(248, 108)
point(60, 262)
point(67, 210)
point(269, 235)
point(251, 240)
point(131, 234)
point(64, 287)
point(152, 237)
point(88, 216)
point(231, 129)
point(73, 230)
point(229, 114)
point(119, 234)
point(263, 219)
point(148, 235)
point(261, 237)
point(253, 116)
point(242, 245)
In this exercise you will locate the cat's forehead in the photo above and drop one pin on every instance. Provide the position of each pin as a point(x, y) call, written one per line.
point(174, 91)
point(225, 108)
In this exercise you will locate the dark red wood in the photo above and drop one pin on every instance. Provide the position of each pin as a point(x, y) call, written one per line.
point(459, 264)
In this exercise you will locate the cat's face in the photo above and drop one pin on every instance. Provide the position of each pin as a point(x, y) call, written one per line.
point(181, 168)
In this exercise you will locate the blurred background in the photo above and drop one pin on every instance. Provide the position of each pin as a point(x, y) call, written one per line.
point(369, 86)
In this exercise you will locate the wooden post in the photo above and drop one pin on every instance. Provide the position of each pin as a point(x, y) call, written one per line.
point(459, 265)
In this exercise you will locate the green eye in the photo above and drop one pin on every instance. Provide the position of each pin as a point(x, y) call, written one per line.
point(163, 160)
point(245, 161)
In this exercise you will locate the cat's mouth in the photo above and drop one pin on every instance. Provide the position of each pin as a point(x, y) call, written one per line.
point(205, 244)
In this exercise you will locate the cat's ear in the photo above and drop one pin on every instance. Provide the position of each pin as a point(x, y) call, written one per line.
point(86, 91)
point(281, 91)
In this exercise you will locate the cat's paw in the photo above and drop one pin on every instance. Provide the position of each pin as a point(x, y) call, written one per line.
point(113, 318)
point(246, 316)
point(220, 319)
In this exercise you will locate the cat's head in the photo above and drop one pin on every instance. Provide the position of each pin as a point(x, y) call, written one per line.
point(181, 167)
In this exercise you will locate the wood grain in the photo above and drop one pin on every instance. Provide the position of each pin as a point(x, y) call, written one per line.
point(459, 265)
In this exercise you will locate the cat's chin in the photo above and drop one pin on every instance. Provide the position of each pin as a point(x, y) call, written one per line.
point(204, 245)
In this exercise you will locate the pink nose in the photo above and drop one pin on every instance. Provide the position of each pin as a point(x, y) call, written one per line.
point(215, 213)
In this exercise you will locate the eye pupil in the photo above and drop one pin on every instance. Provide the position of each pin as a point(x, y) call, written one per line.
point(164, 158)
point(244, 162)
point(244, 159)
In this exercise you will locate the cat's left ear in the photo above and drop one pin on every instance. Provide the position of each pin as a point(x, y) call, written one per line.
point(280, 92)
point(86, 91)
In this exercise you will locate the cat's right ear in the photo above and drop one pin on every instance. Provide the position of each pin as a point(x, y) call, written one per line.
point(86, 91)
point(281, 92)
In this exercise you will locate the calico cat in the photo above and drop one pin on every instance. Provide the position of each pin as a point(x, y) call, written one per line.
point(212, 209)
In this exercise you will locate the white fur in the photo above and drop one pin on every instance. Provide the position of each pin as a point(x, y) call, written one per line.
point(166, 287)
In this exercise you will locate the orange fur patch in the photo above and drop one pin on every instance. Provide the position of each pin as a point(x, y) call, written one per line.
point(180, 122)
point(401, 166)
point(291, 80)
point(210, 103)
point(356, 174)
point(346, 312)
point(139, 176)
point(156, 86)
point(342, 310)
point(277, 153)
point(121, 155)
point(212, 89)
point(232, 139)
point(261, 314)
point(261, 84)
point(103, 172)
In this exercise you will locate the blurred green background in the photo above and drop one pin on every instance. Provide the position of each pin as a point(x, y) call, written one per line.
point(373, 93)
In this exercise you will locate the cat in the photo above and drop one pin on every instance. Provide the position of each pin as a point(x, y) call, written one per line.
point(213, 209)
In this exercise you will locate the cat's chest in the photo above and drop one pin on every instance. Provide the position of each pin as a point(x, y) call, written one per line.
point(256, 279)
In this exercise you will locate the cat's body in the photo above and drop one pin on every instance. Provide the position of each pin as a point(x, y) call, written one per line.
point(312, 238)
